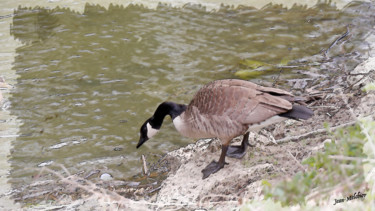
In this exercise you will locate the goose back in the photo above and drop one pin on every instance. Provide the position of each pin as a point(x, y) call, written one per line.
point(226, 108)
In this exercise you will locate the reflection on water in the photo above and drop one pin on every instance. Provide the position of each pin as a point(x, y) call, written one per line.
point(88, 81)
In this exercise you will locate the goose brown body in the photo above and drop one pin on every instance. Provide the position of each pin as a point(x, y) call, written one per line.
point(226, 109)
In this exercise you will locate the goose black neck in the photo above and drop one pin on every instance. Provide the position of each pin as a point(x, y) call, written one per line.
point(167, 108)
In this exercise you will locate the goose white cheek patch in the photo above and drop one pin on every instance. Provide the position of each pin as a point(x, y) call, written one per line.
point(151, 131)
point(177, 123)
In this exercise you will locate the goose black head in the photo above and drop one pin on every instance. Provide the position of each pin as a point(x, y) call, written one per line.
point(147, 131)
point(153, 124)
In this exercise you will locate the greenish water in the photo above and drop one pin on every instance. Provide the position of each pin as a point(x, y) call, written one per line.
point(88, 81)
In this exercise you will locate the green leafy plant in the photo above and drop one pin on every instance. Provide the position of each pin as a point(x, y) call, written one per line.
point(339, 166)
point(369, 87)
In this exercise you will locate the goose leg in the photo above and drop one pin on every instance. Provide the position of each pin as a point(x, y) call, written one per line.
point(214, 166)
point(239, 151)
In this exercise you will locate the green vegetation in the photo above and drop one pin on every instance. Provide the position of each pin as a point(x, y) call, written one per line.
point(369, 87)
point(338, 166)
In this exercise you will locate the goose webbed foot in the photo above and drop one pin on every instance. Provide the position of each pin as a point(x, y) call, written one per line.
point(239, 151)
point(236, 151)
point(212, 168)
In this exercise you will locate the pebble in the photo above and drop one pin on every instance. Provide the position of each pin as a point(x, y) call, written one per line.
point(106, 177)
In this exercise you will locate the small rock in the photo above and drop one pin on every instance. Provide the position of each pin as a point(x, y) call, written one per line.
point(106, 177)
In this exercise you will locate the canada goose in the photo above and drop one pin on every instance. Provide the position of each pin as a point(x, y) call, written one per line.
point(226, 109)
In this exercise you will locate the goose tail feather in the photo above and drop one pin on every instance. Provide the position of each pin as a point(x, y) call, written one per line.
point(298, 112)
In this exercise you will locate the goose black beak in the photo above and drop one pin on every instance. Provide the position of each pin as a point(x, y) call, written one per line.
point(141, 141)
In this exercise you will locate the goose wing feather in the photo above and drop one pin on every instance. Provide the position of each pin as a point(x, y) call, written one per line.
point(228, 107)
